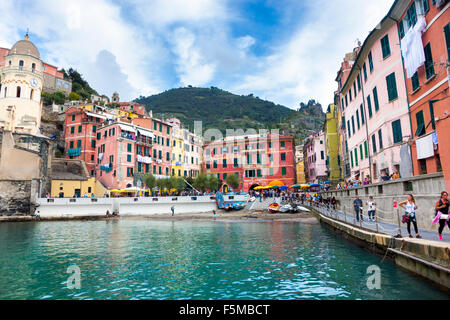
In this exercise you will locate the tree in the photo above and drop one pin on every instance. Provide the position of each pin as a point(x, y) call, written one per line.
point(162, 183)
point(150, 181)
point(73, 96)
point(200, 183)
point(212, 183)
point(233, 181)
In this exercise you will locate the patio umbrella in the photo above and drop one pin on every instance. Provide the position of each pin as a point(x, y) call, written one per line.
point(315, 185)
point(283, 188)
point(304, 186)
point(296, 186)
point(259, 188)
point(274, 187)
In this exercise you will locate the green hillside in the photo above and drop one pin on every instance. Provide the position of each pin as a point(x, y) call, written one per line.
point(223, 110)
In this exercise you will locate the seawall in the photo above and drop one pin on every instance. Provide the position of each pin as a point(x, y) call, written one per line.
point(87, 207)
point(425, 258)
point(426, 190)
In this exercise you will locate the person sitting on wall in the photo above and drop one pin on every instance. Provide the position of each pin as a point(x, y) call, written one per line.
point(108, 214)
point(395, 175)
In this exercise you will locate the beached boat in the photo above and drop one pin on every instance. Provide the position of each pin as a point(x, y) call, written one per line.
point(239, 205)
point(274, 207)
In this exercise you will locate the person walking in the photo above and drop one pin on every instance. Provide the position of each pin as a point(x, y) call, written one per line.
point(442, 207)
point(410, 207)
point(358, 204)
point(371, 204)
point(173, 210)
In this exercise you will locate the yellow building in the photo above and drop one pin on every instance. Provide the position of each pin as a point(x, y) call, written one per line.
point(177, 152)
point(332, 143)
point(126, 114)
point(70, 177)
point(299, 165)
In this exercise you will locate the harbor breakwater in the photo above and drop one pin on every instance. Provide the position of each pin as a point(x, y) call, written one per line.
point(140, 206)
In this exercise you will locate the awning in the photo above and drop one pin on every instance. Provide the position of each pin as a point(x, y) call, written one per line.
point(95, 115)
point(127, 128)
point(146, 133)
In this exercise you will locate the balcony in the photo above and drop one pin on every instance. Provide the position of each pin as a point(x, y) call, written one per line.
point(21, 69)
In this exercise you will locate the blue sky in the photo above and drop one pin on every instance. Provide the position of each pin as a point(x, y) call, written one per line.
point(280, 50)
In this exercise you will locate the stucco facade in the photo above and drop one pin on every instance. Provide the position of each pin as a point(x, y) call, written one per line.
point(374, 108)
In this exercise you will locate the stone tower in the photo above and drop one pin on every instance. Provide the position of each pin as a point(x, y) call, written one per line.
point(115, 98)
point(20, 89)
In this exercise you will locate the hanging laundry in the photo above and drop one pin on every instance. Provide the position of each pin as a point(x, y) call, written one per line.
point(412, 47)
point(435, 140)
point(100, 157)
point(425, 147)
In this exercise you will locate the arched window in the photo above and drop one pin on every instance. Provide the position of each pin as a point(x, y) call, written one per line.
point(20, 64)
point(10, 63)
point(33, 67)
point(6, 89)
point(18, 92)
point(31, 94)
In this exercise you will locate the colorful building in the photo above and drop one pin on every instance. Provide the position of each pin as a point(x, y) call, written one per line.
point(80, 134)
point(374, 107)
point(258, 160)
point(71, 178)
point(299, 165)
point(124, 152)
point(427, 81)
point(332, 150)
point(316, 162)
point(162, 144)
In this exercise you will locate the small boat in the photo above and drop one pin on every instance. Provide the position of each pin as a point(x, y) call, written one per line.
point(274, 207)
point(228, 206)
point(239, 205)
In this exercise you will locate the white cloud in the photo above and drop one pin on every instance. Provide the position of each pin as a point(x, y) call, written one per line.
point(305, 66)
point(155, 45)
point(191, 65)
point(75, 35)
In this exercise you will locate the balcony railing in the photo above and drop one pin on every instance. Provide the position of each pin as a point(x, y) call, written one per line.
point(22, 69)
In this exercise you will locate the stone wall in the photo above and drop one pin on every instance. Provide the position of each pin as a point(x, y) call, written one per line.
point(15, 197)
point(426, 189)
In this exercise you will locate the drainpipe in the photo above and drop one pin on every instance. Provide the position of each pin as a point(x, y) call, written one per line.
point(367, 122)
point(407, 97)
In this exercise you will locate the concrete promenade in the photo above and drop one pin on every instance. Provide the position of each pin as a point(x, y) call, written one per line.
point(383, 226)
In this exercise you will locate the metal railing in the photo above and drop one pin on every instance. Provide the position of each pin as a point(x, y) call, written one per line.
point(357, 220)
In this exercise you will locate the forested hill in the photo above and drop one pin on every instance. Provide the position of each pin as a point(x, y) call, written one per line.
point(223, 110)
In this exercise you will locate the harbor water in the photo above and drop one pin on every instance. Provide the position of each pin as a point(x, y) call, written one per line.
point(148, 259)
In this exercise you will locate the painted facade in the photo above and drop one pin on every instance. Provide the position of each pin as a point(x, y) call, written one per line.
point(81, 135)
point(331, 134)
point(428, 89)
point(162, 145)
point(316, 158)
point(374, 108)
point(123, 151)
point(258, 160)
point(299, 165)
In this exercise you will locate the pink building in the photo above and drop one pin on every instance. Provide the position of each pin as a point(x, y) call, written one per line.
point(374, 107)
point(124, 151)
point(315, 162)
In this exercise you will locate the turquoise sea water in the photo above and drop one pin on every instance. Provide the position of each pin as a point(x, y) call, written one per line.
point(147, 259)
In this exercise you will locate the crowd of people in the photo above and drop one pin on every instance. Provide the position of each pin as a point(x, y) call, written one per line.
point(409, 216)
point(356, 183)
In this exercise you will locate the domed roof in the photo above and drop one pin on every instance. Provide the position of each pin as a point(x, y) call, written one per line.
point(25, 47)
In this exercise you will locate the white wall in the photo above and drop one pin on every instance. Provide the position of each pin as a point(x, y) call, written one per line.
point(79, 207)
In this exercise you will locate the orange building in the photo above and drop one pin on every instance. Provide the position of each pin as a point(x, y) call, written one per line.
point(428, 87)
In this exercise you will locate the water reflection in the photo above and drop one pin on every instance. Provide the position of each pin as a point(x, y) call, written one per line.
point(144, 259)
